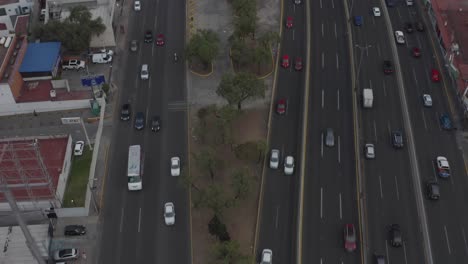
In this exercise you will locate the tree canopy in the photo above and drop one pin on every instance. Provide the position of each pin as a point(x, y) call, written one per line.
point(204, 45)
point(240, 87)
point(74, 32)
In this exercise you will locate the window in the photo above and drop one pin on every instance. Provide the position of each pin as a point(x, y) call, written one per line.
point(2, 12)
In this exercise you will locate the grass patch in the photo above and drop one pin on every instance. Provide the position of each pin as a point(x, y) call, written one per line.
point(78, 180)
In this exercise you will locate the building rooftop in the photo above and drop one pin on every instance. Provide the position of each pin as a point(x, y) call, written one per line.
point(40, 57)
point(14, 245)
point(7, 2)
point(39, 91)
point(21, 25)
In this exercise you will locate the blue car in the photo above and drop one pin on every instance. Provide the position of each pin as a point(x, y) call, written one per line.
point(139, 121)
point(446, 122)
point(358, 20)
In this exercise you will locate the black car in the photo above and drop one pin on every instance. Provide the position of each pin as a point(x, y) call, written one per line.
point(139, 121)
point(379, 259)
point(397, 139)
point(387, 67)
point(125, 112)
point(409, 27)
point(446, 122)
point(419, 26)
point(395, 235)
point(432, 190)
point(75, 230)
point(148, 36)
point(155, 123)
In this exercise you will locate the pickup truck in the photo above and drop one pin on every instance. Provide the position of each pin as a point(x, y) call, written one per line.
point(103, 57)
point(73, 65)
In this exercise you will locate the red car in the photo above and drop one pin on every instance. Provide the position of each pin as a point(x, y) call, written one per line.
point(289, 22)
point(160, 40)
point(349, 238)
point(435, 75)
point(285, 61)
point(298, 64)
point(281, 106)
point(416, 52)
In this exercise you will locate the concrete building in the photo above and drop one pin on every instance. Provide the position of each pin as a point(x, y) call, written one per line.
point(15, 249)
point(41, 61)
point(10, 10)
point(60, 9)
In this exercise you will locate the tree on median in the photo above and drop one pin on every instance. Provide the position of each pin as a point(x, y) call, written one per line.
point(204, 46)
point(240, 87)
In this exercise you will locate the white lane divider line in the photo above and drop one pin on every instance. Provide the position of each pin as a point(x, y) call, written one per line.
point(447, 238)
point(397, 191)
point(139, 220)
point(380, 183)
point(121, 219)
point(321, 203)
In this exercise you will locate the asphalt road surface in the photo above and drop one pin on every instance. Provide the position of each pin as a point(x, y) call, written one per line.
point(330, 175)
point(133, 224)
point(278, 218)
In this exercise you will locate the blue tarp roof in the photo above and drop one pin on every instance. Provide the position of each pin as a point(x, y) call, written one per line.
point(40, 57)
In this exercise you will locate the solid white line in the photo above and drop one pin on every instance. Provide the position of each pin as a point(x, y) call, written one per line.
point(404, 251)
point(321, 202)
point(424, 119)
point(341, 211)
point(370, 84)
point(378, 50)
point(320, 3)
point(434, 171)
point(375, 131)
point(399, 15)
point(322, 30)
point(386, 251)
point(339, 151)
point(338, 98)
point(380, 183)
point(415, 78)
point(323, 60)
point(139, 220)
point(337, 62)
point(397, 191)
point(464, 239)
point(121, 219)
point(321, 146)
point(336, 34)
point(323, 98)
point(277, 216)
point(448, 242)
point(384, 89)
point(438, 123)
point(293, 33)
point(333, 4)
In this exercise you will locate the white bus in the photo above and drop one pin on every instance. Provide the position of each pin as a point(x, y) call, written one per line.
point(135, 168)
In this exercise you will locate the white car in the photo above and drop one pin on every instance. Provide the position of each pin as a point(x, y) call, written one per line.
point(137, 6)
point(66, 254)
point(79, 146)
point(274, 159)
point(144, 72)
point(443, 167)
point(427, 99)
point(267, 256)
point(169, 214)
point(400, 37)
point(376, 11)
point(175, 166)
point(289, 165)
point(369, 150)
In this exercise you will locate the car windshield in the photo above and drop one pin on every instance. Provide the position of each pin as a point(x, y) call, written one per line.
point(274, 157)
point(65, 252)
point(175, 165)
point(134, 179)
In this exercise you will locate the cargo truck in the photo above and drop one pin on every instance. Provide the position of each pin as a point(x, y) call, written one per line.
point(367, 98)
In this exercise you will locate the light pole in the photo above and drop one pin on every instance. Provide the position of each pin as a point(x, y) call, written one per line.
point(362, 49)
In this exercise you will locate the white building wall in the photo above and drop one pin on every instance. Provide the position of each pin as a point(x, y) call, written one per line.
point(6, 97)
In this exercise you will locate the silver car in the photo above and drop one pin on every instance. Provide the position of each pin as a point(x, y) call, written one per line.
point(400, 37)
point(369, 150)
point(330, 138)
point(274, 158)
point(427, 100)
point(66, 254)
point(133, 45)
point(297, 2)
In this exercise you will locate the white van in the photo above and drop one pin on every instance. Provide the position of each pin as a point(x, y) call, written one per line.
point(409, 2)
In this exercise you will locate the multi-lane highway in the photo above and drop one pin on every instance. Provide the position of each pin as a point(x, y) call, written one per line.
point(278, 215)
point(133, 224)
point(330, 175)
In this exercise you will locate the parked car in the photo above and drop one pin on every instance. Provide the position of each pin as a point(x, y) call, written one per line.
point(79, 147)
point(175, 166)
point(75, 230)
point(66, 254)
point(73, 65)
point(274, 158)
point(105, 56)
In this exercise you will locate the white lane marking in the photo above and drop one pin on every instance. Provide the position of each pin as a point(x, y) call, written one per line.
point(333, 4)
point(339, 150)
point(320, 3)
point(397, 190)
point(341, 210)
point(338, 99)
point(322, 30)
point(399, 15)
point(323, 60)
point(384, 89)
point(380, 183)
point(321, 203)
point(336, 34)
point(386, 251)
point(375, 131)
point(424, 119)
point(434, 171)
point(404, 251)
point(139, 220)
point(293, 32)
point(438, 123)
point(370, 84)
point(448, 242)
point(121, 219)
point(337, 62)
point(321, 146)
point(367, 49)
point(277, 217)
point(323, 98)
point(415, 78)
point(464, 239)
point(378, 50)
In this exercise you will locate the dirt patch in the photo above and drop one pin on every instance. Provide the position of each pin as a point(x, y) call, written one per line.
point(259, 69)
point(240, 220)
point(200, 68)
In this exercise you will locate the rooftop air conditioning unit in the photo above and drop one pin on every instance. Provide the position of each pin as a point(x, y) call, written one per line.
point(2, 40)
point(8, 42)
